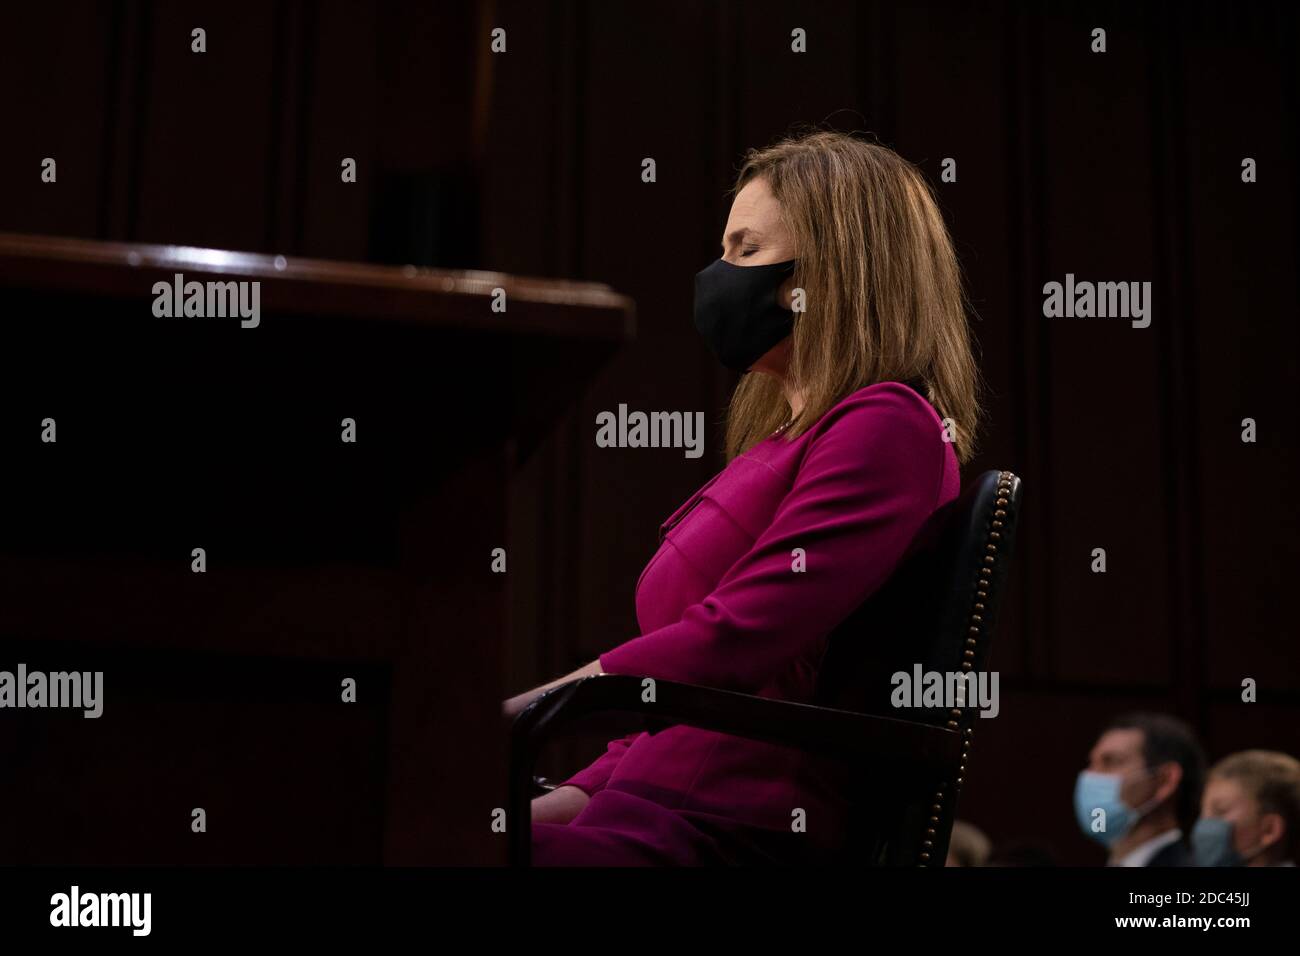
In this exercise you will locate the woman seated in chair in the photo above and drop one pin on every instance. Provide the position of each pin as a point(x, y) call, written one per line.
point(839, 286)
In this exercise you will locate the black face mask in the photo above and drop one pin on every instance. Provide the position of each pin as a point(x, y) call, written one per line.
point(737, 313)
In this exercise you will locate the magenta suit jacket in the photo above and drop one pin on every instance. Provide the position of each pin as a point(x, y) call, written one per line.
point(723, 604)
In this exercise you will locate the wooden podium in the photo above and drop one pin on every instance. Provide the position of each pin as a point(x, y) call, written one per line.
point(326, 561)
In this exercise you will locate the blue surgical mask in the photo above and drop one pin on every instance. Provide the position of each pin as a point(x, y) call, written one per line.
point(1212, 843)
point(1100, 791)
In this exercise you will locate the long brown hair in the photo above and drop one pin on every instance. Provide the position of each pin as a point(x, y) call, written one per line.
point(883, 288)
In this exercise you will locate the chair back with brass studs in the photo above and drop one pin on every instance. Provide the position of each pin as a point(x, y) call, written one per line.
point(934, 616)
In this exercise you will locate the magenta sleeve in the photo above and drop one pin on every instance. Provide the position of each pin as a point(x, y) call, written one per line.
point(871, 475)
point(594, 777)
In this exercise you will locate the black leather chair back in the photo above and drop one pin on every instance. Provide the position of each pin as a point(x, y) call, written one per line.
point(937, 612)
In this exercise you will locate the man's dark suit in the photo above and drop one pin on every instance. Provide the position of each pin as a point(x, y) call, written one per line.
point(1175, 854)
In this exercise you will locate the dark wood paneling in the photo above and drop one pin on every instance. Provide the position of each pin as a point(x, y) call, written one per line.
point(58, 67)
point(1244, 353)
point(204, 150)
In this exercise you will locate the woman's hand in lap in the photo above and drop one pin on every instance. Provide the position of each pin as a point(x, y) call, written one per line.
point(559, 805)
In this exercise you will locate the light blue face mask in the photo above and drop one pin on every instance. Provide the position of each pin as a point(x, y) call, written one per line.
point(1100, 791)
point(1213, 844)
